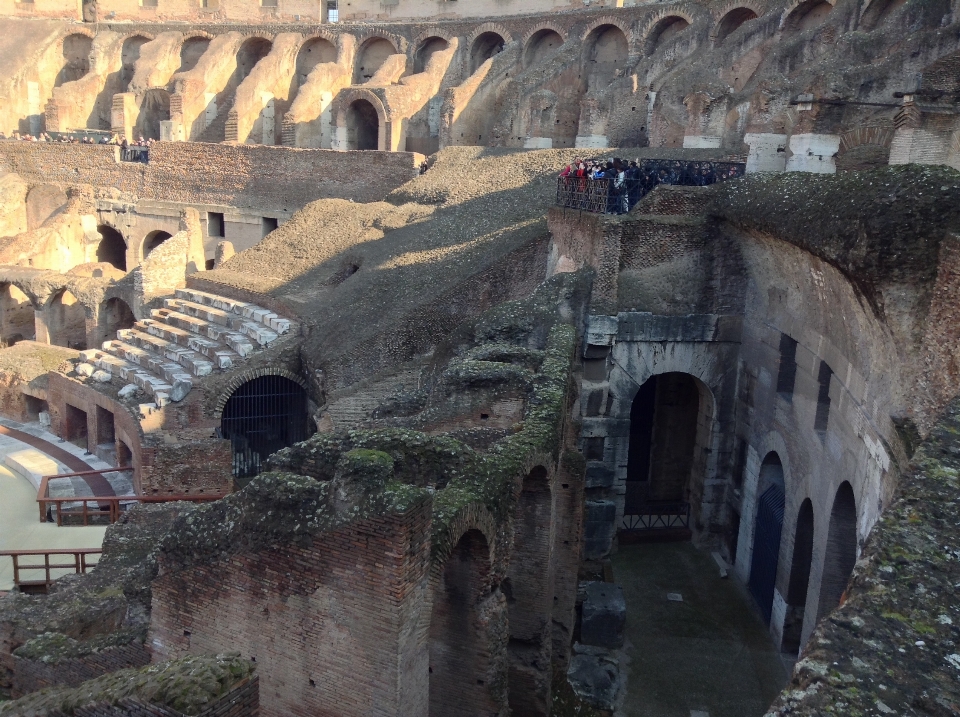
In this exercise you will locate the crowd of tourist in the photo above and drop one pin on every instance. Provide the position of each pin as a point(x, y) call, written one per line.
point(620, 190)
point(74, 139)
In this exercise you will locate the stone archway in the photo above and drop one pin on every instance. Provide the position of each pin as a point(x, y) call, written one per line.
point(154, 110)
point(671, 425)
point(17, 316)
point(363, 126)
point(114, 314)
point(605, 52)
point(799, 581)
point(768, 530)
point(461, 655)
point(841, 552)
point(66, 320)
point(370, 58)
point(486, 45)
point(154, 239)
point(112, 248)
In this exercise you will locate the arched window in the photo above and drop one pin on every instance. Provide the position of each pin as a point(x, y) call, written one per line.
point(76, 59)
point(807, 15)
point(191, 51)
point(67, 321)
point(768, 528)
point(605, 55)
point(250, 53)
point(799, 580)
point(841, 553)
point(129, 54)
point(17, 317)
point(484, 47)
point(153, 240)
point(262, 416)
point(732, 21)
point(426, 50)
point(541, 45)
point(315, 51)
point(371, 57)
point(664, 31)
point(115, 315)
point(112, 248)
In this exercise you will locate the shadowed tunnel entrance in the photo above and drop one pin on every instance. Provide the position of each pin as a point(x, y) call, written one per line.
point(363, 126)
point(262, 416)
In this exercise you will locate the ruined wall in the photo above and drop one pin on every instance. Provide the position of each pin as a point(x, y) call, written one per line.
point(252, 176)
point(352, 609)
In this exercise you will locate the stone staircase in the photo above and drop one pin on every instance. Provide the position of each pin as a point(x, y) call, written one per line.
point(194, 334)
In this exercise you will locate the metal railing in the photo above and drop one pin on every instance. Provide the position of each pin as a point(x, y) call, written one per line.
point(657, 515)
point(79, 564)
point(135, 154)
point(100, 509)
point(607, 196)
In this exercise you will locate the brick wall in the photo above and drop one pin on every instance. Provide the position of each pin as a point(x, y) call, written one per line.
point(250, 176)
point(32, 675)
point(328, 622)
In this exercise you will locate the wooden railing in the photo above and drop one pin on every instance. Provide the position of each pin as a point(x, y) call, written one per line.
point(79, 564)
point(96, 508)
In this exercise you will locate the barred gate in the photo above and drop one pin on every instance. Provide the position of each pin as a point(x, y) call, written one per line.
point(262, 416)
point(766, 548)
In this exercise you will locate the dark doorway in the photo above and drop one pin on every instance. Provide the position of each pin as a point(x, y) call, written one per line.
point(115, 314)
point(112, 248)
point(841, 553)
point(428, 48)
point(67, 321)
point(262, 416)
point(363, 126)
point(17, 317)
point(768, 528)
point(799, 580)
point(191, 51)
point(76, 59)
point(75, 426)
point(129, 54)
point(154, 110)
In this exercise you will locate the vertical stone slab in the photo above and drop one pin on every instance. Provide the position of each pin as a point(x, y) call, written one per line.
point(814, 153)
point(767, 152)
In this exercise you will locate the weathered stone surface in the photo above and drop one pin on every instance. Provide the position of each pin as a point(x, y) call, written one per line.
point(603, 616)
point(595, 677)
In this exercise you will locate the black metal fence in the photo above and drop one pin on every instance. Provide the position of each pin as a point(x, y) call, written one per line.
point(608, 196)
point(135, 154)
point(657, 515)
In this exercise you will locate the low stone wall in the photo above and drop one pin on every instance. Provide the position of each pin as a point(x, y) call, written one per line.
point(30, 675)
point(251, 176)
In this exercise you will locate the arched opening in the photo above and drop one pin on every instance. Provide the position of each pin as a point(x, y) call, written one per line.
point(17, 315)
point(76, 59)
point(191, 51)
point(427, 49)
point(670, 431)
point(112, 248)
point(363, 126)
point(484, 47)
point(262, 416)
point(841, 554)
point(371, 57)
point(528, 592)
point(605, 55)
point(459, 653)
point(541, 45)
point(67, 321)
point(129, 54)
point(879, 11)
point(124, 454)
point(249, 54)
point(768, 528)
point(43, 202)
point(153, 240)
point(154, 110)
point(799, 580)
point(664, 31)
point(115, 315)
point(315, 51)
point(732, 21)
point(807, 15)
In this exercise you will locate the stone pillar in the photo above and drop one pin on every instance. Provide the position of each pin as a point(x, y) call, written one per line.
point(701, 141)
point(815, 153)
point(767, 152)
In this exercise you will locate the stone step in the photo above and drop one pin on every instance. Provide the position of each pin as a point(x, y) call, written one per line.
point(133, 373)
point(220, 355)
point(244, 309)
point(175, 381)
point(195, 363)
point(254, 330)
point(237, 342)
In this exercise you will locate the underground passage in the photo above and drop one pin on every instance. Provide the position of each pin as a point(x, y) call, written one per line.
point(262, 416)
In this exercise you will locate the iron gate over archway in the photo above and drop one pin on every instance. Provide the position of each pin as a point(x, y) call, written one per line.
point(262, 416)
point(766, 548)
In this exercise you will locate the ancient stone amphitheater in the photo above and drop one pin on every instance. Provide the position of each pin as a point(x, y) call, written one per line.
point(377, 414)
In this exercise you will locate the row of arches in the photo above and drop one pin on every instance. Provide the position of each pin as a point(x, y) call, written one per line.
point(65, 319)
point(113, 249)
point(670, 439)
